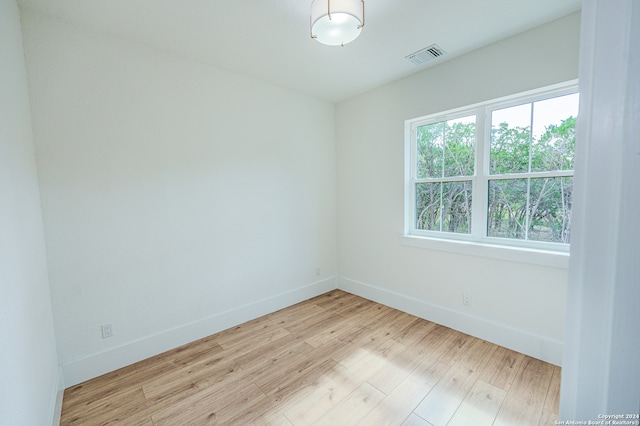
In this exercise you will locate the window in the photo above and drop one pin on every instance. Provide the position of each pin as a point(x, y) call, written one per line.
point(500, 172)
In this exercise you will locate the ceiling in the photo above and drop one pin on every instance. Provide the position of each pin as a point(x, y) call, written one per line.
point(269, 39)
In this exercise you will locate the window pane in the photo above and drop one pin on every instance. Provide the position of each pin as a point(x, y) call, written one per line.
point(428, 206)
point(460, 144)
point(510, 140)
point(446, 148)
point(507, 210)
point(550, 209)
point(554, 122)
point(430, 140)
point(456, 207)
point(547, 217)
point(444, 206)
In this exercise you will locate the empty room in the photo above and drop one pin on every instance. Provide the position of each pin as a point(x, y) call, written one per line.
point(319, 212)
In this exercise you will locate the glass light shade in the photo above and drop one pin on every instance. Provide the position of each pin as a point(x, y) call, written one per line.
point(336, 22)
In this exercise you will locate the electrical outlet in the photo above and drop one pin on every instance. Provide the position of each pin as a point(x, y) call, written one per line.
point(318, 271)
point(107, 330)
point(467, 299)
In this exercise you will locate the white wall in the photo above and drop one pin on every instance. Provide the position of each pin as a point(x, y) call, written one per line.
point(517, 305)
point(179, 199)
point(28, 361)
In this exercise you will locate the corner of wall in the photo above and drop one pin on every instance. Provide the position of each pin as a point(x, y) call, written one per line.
point(95, 365)
point(536, 346)
point(56, 398)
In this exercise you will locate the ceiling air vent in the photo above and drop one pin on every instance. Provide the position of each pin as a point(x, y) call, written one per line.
point(425, 55)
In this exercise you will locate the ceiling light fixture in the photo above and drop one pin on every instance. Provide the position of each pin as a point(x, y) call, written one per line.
point(336, 22)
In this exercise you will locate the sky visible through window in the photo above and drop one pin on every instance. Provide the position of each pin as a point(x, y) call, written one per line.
point(545, 113)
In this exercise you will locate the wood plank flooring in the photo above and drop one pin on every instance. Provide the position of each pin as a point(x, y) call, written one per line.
point(336, 359)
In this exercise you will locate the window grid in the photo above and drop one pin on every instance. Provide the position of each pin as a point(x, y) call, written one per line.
point(482, 178)
point(442, 179)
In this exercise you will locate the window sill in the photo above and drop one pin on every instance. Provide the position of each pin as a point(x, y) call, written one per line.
point(554, 259)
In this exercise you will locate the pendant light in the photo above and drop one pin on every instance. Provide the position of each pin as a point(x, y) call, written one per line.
point(336, 22)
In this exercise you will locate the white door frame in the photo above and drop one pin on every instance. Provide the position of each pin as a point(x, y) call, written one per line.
point(601, 363)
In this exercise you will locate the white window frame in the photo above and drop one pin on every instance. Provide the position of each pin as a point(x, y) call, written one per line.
point(477, 242)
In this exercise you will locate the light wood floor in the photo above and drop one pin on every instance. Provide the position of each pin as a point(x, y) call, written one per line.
point(336, 359)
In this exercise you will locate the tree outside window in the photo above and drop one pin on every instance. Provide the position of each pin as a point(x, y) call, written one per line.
point(509, 177)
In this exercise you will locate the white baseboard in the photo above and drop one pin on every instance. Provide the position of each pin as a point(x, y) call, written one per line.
point(521, 341)
point(104, 362)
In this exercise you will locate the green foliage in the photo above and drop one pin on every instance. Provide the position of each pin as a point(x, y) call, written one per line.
point(555, 148)
point(524, 208)
point(445, 149)
point(545, 204)
point(444, 206)
point(509, 149)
